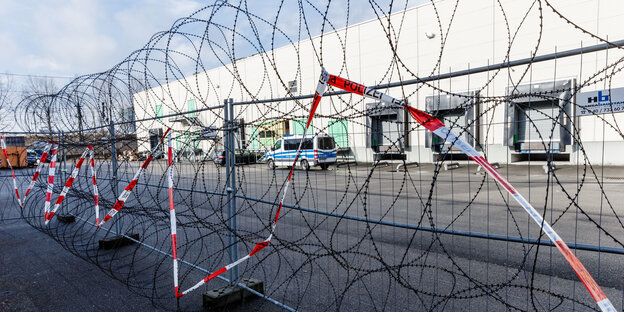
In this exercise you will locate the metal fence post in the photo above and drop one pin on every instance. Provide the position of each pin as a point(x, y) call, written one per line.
point(230, 173)
point(232, 192)
point(62, 153)
point(113, 143)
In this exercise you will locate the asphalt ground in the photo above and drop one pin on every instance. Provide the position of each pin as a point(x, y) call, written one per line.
point(37, 274)
point(460, 200)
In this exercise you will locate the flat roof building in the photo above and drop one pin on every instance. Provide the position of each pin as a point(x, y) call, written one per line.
point(513, 114)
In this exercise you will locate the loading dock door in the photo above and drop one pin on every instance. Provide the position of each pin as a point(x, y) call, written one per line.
point(539, 123)
point(456, 121)
point(386, 132)
point(536, 119)
point(154, 137)
point(458, 112)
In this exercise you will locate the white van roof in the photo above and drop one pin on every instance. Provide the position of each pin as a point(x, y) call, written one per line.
point(299, 136)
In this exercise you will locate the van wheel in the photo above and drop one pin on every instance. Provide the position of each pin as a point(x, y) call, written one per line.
point(305, 165)
point(271, 164)
point(324, 166)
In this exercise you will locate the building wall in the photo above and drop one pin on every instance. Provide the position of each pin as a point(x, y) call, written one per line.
point(477, 34)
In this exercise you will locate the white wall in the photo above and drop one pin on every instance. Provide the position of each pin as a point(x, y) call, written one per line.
point(478, 36)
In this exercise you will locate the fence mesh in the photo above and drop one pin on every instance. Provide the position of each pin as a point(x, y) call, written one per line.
point(387, 226)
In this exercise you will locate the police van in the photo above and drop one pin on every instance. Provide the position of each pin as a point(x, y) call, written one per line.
point(318, 150)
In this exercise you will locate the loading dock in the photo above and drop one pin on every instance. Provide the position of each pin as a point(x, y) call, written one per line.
point(189, 134)
point(386, 130)
point(538, 126)
point(154, 137)
point(459, 113)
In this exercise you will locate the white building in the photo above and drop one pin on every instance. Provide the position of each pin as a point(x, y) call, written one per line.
point(479, 34)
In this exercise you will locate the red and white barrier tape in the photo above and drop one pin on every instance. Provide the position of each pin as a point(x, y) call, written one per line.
point(48, 213)
point(320, 90)
point(436, 126)
point(6, 156)
point(431, 123)
point(51, 174)
point(42, 160)
point(128, 190)
point(68, 184)
point(44, 155)
point(172, 216)
point(96, 194)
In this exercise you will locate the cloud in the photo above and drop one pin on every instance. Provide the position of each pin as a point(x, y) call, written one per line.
point(36, 63)
point(69, 37)
point(8, 44)
point(139, 21)
point(73, 35)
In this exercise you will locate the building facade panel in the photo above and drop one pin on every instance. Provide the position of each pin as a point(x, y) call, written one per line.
point(478, 36)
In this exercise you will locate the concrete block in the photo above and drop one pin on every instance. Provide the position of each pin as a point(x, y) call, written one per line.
point(549, 167)
point(230, 295)
point(117, 241)
point(495, 165)
point(452, 165)
point(66, 218)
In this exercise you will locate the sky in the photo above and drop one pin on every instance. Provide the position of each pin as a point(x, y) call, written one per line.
point(71, 37)
point(66, 38)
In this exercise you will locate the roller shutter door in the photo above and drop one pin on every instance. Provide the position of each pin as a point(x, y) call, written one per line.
point(537, 121)
point(456, 125)
point(390, 131)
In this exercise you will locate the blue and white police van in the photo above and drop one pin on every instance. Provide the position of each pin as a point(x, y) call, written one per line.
point(318, 150)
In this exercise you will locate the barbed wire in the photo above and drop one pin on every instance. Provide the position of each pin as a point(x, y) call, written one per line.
point(341, 244)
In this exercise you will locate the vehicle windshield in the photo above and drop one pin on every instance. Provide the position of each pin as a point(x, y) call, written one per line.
point(326, 143)
point(277, 145)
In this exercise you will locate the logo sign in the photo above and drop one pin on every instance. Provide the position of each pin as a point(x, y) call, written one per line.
point(601, 102)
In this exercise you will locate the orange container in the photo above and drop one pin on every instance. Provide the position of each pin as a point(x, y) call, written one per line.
point(17, 157)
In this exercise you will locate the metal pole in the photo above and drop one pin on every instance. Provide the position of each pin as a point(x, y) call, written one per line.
point(61, 153)
point(232, 179)
point(498, 237)
point(469, 71)
point(113, 143)
point(227, 152)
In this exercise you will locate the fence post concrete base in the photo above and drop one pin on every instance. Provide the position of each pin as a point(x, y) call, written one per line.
point(451, 166)
point(231, 294)
point(66, 218)
point(118, 241)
